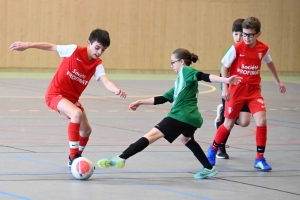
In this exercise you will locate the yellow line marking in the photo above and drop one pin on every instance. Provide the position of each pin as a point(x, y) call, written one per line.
point(112, 111)
point(211, 90)
point(296, 108)
point(285, 108)
point(34, 111)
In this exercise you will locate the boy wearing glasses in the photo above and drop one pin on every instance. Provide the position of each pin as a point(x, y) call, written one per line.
point(244, 117)
point(244, 59)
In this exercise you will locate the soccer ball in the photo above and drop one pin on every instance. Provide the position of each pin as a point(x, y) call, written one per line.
point(82, 168)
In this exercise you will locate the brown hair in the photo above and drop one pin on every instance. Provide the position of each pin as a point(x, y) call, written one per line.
point(100, 36)
point(186, 56)
point(237, 25)
point(252, 23)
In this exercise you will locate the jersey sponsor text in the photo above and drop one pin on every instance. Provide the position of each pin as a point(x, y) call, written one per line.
point(77, 77)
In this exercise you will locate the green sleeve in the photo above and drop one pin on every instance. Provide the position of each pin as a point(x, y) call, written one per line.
point(169, 95)
point(189, 74)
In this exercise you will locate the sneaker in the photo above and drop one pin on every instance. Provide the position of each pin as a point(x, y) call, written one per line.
point(262, 164)
point(71, 161)
point(205, 173)
point(217, 119)
point(222, 153)
point(115, 161)
point(211, 155)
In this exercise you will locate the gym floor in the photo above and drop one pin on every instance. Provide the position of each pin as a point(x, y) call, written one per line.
point(34, 146)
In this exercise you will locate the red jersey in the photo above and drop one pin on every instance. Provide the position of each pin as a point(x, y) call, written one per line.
point(246, 62)
point(74, 72)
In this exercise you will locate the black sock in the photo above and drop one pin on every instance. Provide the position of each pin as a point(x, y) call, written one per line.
point(224, 141)
point(260, 149)
point(199, 154)
point(134, 148)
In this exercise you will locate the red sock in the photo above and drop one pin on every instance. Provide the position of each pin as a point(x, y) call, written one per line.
point(73, 135)
point(261, 141)
point(82, 143)
point(221, 134)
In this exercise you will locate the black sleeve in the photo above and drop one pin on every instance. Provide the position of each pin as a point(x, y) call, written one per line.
point(203, 77)
point(160, 100)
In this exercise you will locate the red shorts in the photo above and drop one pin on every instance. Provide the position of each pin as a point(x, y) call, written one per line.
point(241, 94)
point(52, 102)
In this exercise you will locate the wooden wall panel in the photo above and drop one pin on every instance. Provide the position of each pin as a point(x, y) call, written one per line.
point(144, 33)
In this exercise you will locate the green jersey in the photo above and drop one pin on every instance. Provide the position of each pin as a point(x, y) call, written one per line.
point(184, 97)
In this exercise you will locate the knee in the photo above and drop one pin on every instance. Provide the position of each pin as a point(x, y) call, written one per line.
point(76, 115)
point(153, 135)
point(244, 119)
point(244, 123)
point(184, 139)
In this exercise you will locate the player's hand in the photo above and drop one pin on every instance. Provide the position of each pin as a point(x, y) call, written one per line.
point(234, 80)
point(121, 93)
point(282, 88)
point(134, 105)
point(226, 95)
point(18, 46)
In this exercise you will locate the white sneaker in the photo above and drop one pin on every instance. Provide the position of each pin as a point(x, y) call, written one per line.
point(219, 109)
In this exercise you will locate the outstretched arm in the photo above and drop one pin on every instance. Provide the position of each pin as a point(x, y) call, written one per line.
point(21, 46)
point(136, 104)
point(112, 87)
point(272, 69)
point(151, 101)
point(216, 79)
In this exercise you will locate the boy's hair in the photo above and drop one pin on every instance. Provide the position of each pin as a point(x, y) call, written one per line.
point(100, 36)
point(252, 23)
point(237, 25)
point(186, 56)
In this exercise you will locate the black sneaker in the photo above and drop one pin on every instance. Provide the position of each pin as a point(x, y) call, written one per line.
point(71, 161)
point(222, 153)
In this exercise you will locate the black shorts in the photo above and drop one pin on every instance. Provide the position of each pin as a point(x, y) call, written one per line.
point(172, 128)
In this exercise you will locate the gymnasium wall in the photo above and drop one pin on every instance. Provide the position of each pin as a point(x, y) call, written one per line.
point(144, 33)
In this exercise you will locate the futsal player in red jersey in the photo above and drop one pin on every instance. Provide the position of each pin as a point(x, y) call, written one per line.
point(244, 59)
point(75, 71)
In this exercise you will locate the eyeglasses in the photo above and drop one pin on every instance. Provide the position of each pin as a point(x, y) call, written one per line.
point(250, 35)
point(174, 61)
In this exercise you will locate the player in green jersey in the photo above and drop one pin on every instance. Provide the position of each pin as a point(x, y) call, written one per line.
point(184, 117)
